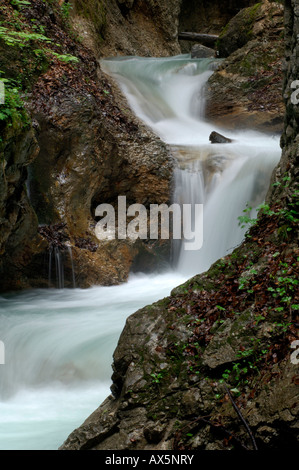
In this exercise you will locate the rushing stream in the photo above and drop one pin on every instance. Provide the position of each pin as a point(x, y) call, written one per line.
point(59, 343)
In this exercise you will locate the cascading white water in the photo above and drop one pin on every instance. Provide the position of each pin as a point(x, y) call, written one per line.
point(59, 343)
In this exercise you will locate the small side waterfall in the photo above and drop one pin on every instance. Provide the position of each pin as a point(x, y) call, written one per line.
point(56, 263)
point(168, 95)
point(57, 259)
point(70, 252)
point(61, 267)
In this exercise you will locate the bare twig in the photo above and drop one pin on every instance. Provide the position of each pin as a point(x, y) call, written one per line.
point(204, 419)
point(241, 418)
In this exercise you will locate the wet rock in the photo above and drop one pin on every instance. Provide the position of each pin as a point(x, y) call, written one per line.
point(154, 413)
point(90, 155)
point(85, 147)
point(216, 138)
point(201, 52)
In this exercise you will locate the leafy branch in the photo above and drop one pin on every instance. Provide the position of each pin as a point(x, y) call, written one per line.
point(23, 39)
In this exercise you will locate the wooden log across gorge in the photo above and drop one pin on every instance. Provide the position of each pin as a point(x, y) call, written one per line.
point(205, 39)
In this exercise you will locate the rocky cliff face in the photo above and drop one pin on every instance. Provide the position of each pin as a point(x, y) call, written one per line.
point(84, 148)
point(246, 90)
point(129, 27)
point(18, 221)
point(87, 137)
point(187, 367)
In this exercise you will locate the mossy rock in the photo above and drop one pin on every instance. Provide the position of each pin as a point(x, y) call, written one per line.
point(227, 341)
point(238, 31)
point(248, 24)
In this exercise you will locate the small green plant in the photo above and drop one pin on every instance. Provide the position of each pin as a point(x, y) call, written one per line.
point(20, 38)
point(12, 110)
point(157, 377)
point(66, 10)
point(222, 309)
point(284, 289)
point(245, 220)
point(24, 39)
point(20, 3)
point(63, 57)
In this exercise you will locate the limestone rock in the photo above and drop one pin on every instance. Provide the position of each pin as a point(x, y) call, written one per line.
point(201, 52)
point(127, 27)
point(85, 160)
point(85, 148)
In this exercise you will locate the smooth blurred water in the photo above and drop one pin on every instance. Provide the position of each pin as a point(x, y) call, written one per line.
point(59, 346)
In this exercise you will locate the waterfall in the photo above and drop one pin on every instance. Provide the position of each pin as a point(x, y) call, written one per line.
point(56, 262)
point(59, 342)
point(70, 252)
point(168, 95)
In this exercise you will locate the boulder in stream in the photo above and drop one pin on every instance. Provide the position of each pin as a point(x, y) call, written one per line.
point(216, 138)
point(199, 51)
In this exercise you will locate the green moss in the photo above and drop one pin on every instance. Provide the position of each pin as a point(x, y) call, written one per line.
point(253, 11)
point(241, 26)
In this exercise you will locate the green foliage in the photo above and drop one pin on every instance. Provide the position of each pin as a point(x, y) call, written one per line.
point(65, 10)
point(20, 3)
point(19, 38)
point(248, 365)
point(24, 67)
point(63, 57)
point(12, 111)
point(157, 377)
point(246, 278)
point(284, 288)
point(22, 39)
point(246, 219)
point(288, 215)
